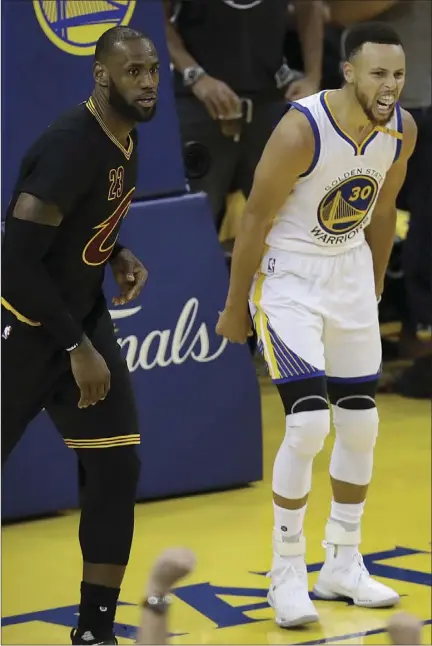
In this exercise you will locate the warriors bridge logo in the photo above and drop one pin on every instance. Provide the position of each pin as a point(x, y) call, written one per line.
point(75, 26)
point(347, 204)
point(345, 209)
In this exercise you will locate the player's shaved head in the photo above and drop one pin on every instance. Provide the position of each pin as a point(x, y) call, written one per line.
point(112, 38)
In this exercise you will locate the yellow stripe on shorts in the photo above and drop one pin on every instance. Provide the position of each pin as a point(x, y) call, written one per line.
point(102, 442)
point(261, 326)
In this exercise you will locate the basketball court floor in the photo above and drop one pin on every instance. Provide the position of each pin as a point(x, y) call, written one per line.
point(224, 602)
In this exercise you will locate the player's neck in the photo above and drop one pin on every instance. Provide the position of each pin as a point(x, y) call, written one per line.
point(349, 113)
point(117, 126)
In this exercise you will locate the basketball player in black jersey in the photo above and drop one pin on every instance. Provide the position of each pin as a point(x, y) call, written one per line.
point(59, 351)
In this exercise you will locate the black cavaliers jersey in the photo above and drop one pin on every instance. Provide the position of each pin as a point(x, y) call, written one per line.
point(79, 166)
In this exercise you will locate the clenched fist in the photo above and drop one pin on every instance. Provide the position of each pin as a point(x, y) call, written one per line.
point(234, 324)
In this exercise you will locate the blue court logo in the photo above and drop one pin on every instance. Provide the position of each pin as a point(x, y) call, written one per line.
point(347, 204)
point(230, 606)
point(75, 26)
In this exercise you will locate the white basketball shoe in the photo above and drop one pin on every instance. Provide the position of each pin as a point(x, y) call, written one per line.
point(288, 594)
point(345, 575)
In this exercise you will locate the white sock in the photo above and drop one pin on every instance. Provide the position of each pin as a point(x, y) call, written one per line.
point(349, 516)
point(289, 522)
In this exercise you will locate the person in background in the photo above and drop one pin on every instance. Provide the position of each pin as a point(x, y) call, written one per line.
point(331, 58)
point(404, 628)
point(231, 81)
point(415, 381)
point(173, 564)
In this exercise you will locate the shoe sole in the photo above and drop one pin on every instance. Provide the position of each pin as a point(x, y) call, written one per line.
point(299, 621)
point(330, 596)
point(302, 621)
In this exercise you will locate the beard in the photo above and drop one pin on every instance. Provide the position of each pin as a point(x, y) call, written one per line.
point(376, 120)
point(126, 110)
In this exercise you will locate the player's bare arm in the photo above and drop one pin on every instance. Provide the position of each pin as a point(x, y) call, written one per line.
point(310, 26)
point(31, 209)
point(381, 230)
point(32, 292)
point(288, 154)
point(348, 13)
point(219, 99)
point(172, 565)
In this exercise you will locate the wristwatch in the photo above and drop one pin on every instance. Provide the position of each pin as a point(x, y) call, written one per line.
point(157, 604)
point(191, 75)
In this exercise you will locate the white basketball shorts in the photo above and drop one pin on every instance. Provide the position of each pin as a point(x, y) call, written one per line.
point(317, 315)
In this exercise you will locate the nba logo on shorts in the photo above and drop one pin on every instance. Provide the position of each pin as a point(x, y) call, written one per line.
point(271, 265)
point(7, 331)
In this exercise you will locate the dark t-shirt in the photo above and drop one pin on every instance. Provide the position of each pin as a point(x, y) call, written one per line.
point(240, 42)
point(81, 168)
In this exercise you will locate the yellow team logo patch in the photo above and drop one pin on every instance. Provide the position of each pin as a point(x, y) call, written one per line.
point(75, 26)
point(347, 204)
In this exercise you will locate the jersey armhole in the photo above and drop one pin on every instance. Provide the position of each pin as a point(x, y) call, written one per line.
point(309, 116)
point(399, 125)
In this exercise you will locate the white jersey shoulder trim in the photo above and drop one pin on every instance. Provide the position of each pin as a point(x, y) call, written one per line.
point(316, 106)
point(307, 107)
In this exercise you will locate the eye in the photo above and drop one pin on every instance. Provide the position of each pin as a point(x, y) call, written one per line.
point(133, 71)
point(154, 69)
point(379, 73)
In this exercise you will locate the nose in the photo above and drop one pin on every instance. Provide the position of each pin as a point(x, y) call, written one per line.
point(391, 82)
point(147, 80)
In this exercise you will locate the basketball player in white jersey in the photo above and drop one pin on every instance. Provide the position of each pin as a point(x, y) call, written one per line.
point(312, 273)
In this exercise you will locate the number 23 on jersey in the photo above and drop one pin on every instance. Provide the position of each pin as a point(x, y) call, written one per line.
point(116, 179)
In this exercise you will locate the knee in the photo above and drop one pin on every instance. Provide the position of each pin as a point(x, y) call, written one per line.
point(125, 470)
point(306, 431)
point(357, 430)
point(107, 519)
point(129, 467)
point(112, 473)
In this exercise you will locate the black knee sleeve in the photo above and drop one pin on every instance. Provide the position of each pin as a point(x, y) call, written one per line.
point(108, 501)
point(353, 395)
point(303, 395)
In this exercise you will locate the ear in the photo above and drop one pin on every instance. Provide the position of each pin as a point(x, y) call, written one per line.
point(348, 72)
point(100, 74)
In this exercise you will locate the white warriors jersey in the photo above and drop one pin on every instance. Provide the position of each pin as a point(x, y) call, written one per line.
point(332, 202)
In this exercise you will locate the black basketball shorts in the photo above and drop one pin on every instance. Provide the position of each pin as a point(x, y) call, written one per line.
point(36, 376)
